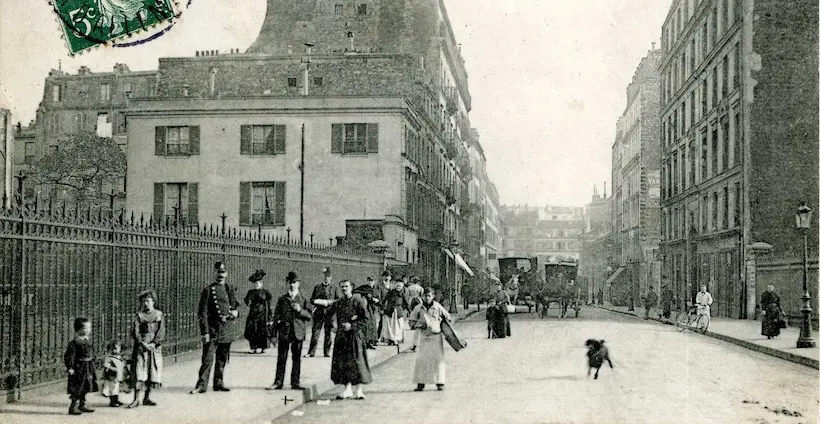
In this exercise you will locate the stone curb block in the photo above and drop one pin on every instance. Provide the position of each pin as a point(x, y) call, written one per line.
point(312, 392)
point(809, 362)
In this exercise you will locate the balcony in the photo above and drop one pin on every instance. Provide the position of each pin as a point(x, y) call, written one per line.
point(450, 100)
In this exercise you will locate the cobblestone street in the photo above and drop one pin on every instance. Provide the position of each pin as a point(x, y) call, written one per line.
point(538, 376)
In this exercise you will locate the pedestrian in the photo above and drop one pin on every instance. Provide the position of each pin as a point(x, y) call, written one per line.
point(771, 324)
point(379, 295)
point(290, 319)
point(113, 373)
point(501, 323)
point(650, 300)
point(415, 291)
point(703, 300)
point(600, 296)
point(323, 296)
point(258, 300)
point(667, 299)
point(349, 365)
point(430, 366)
point(371, 330)
point(395, 312)
point(79, 364)
point(148, 333)
point(217, 312)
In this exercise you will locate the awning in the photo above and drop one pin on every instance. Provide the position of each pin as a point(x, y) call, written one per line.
point(448, 252)
point(463, 265)
point(615, 275)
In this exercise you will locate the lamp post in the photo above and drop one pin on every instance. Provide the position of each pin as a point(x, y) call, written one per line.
point(803, 219)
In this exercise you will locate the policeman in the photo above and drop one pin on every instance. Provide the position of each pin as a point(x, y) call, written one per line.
point(217, 311)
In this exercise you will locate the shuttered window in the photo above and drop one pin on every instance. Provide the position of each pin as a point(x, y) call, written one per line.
point(354, 138)
point(176, 203)
point(262, 139)
point(262, 203)
point(176, 140)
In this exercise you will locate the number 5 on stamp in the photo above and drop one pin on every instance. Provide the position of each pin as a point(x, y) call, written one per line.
point(88, 23)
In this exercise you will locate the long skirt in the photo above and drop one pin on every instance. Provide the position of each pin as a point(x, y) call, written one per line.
point(349, 363)
point(393, 328)
point(498, 322)
point(770, 326)
point(430, 360)
point(147, 368)
point(256, 329)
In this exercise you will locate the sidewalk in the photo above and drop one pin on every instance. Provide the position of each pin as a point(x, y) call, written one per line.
point(246, 375)
point(746, 333)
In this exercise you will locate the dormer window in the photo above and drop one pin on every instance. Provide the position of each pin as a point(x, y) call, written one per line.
point(361, 9)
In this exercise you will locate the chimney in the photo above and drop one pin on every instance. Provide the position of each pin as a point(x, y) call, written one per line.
point(197, 53)
point(185, 90)
point(83, 70)
point(212, 82)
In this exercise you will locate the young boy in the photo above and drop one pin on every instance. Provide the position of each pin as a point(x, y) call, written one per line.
point(79, 364)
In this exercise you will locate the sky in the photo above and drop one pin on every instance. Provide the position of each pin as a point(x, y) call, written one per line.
point(547, 78)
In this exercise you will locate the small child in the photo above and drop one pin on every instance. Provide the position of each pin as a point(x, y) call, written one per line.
point(491, 315)
point(148, 333)
point(79, 364)
point(114, 373)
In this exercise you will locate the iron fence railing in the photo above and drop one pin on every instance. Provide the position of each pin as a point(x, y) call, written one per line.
point(61, 265)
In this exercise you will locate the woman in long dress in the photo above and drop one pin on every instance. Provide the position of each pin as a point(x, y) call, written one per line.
point(148, 334)
point(770, 302)
point(259, 314)
point(430, 366)
point(395, 310)
point(349, 365)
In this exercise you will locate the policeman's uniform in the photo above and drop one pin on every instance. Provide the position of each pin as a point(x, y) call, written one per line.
point(215, 319)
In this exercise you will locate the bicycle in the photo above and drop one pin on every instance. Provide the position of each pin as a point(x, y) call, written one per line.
point(692, 317)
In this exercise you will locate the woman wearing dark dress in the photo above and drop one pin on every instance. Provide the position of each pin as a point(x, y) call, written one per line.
point(349, 365)
point(770, 302)
point(259, 313)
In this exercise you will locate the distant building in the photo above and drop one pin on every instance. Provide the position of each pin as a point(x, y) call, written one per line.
point(595, 264)
point(6, 154)
point(740, 142)
point(544, 232)
point(636, 185)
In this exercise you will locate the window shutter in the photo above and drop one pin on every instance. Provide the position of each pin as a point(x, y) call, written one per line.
point(245, 140)
point(193, 141)
point(279, 140)
point(270, 147)
point(336, 138)
point(279, 216)
point(245, 203)
point(372, 138)
point(159, 141)
point(159, 203)
point(193, 204)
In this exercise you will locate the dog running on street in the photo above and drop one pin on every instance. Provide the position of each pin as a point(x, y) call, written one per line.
point(597, 353)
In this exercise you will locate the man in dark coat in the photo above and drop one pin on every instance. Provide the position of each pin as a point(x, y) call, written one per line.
point(379, 296)
point(323, 295)
point(217, 311)
point(650, 300)
point(290, 317)
point(600, 296)
point(667, 299)
point(370, 332)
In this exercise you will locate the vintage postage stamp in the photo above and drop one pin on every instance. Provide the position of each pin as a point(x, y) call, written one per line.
point(88, 23)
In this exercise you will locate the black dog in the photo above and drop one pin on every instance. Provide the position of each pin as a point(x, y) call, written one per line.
point(597, 353)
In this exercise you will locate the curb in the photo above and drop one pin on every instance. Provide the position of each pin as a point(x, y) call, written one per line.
point(797, 359)
point(312, 392)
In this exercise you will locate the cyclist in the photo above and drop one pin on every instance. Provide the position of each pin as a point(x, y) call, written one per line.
point(703, 300)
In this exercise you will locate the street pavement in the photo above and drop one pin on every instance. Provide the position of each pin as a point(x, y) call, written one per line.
point(539, 376)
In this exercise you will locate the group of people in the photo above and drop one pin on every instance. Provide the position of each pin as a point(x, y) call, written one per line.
point(498, 320)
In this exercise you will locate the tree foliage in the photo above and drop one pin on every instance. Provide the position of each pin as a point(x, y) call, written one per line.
point(87, 166)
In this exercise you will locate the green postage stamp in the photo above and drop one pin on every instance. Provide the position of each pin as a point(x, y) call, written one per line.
point(88, 23)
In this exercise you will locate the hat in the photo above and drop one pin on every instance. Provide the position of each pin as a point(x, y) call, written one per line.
point(369, 278)
point(219, 266)
point(326, 271)
point(148, 293)
point(257, 275)
point(385, 273)
point(291, 277)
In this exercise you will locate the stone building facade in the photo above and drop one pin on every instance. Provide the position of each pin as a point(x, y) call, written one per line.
point(636, 184)
point(544, 232)
point(740, 136)
point(595, 263)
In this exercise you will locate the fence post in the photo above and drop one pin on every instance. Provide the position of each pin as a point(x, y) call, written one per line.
point(22, 300)
point(177, 315)
point(113, 278)
point(224, 239)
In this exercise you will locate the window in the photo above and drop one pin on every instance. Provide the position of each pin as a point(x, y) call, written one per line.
point(355, 138)
point(704, 155)
point(714, 19)
point(725, 87)
point(176, 203)
point(738, 143)
point(28, 152)
point(291, 82)
point(339, 9)
point(714, 211)
point(317, 81)
point(704, 90)
point(692, 161)
point(704, 41)
point(725, 207)
point(714, 143)
point(56, 93)
point(724, 130)
point(126, 88)
point(176, 141)
point(714, 86)
point(692, 54)
point(262, 203)
point(683, 63)
point(738, 204)
point(692, 108)
point(683, 116)
point(105, 92)
point(704, 213)
point(361, 9)
point(686, 10)
point(725, 15)
point(738, 9)
point(53, 149)
point(736, 78)
point(683, 167)
point(261, 139)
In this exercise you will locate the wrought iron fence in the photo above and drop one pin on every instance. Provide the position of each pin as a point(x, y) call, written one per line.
point(61, 264)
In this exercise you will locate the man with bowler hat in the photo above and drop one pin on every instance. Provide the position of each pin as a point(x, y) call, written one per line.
point(290, 318)
point(217, 311)
point(323, 296)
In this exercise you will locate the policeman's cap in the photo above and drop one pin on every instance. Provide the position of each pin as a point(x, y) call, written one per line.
point(219, 267)
point(326, 271)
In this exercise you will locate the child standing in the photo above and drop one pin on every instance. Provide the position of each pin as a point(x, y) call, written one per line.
point(148, 333)
point(79, 364)
point(113, 374)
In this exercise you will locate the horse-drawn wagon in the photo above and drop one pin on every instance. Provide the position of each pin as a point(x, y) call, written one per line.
point(559, 287)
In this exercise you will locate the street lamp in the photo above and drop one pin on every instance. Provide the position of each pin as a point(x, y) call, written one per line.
point(803, 220)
